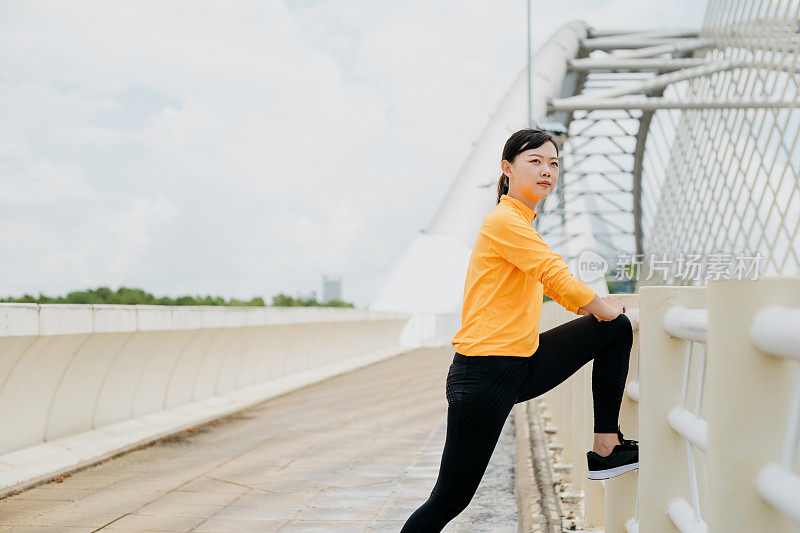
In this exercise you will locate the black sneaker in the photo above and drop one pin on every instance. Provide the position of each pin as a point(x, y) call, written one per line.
point(627, 444)
point(623, 458)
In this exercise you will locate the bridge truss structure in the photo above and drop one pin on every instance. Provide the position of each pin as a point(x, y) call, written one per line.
point(684, 145)
point(681, 146)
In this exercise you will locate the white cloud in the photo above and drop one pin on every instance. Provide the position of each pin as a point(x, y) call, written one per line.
point(30, 180)
point(245, 148)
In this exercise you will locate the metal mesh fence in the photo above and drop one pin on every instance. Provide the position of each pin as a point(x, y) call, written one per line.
point(720, 186)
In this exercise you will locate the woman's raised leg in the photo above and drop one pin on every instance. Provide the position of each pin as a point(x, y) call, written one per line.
point(564, 349)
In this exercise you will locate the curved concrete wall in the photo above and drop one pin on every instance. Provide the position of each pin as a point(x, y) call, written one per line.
point(473, 192)
point(129, 374)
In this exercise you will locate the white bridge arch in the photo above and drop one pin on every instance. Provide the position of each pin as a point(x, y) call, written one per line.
point(679, 141)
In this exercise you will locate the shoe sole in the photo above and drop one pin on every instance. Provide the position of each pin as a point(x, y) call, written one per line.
point(612, 472)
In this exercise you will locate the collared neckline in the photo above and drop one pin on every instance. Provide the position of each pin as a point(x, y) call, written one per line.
point(527, 212)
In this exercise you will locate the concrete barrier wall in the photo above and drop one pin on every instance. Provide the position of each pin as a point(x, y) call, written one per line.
point(430, 330)
point(70, 370)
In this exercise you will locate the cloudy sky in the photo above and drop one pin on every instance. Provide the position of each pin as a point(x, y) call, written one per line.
point(247, 148)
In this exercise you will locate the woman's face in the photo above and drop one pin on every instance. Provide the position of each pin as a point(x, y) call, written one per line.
point(534, 172)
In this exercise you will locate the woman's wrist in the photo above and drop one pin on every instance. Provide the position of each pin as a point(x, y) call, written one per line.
point(604, 308)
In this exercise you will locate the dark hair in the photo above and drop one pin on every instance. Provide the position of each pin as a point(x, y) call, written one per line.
point(515, 145)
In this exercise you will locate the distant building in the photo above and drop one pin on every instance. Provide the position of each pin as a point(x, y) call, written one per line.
point(331, 288)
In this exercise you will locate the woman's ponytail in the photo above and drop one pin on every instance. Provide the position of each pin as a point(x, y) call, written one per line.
point(502, 186)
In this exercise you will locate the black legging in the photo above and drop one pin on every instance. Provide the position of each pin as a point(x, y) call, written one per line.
point(481, 390)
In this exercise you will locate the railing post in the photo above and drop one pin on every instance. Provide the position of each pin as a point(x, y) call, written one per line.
point(594, 493)
point(581, 420)
point(620, 492)
point(662, 456)
point(748, 403)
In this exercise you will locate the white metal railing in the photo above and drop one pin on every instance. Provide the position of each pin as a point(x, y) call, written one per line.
point(719, 366)
point(690, 325)
point(776, 331)
point(713, 396)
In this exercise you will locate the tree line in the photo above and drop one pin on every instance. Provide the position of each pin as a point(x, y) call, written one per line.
point(133, 296)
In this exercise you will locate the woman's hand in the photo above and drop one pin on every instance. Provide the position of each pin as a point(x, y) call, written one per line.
point(604, 308)
point(616, 306)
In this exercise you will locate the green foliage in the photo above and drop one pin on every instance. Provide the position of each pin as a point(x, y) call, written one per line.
point(616, 286)
point(337, 303)
point(130, 296)
point(284, 300)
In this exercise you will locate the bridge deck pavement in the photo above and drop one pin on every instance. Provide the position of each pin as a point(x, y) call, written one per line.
point(357, 452)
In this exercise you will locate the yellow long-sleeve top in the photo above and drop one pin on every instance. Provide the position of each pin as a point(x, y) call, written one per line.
point(509, 269)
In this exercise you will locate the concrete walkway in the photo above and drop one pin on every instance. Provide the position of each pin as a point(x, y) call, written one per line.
point(357, 452)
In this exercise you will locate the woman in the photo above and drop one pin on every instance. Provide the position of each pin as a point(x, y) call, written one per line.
point(501, 359)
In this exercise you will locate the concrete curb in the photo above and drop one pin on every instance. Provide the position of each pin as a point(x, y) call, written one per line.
point(539, 510)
